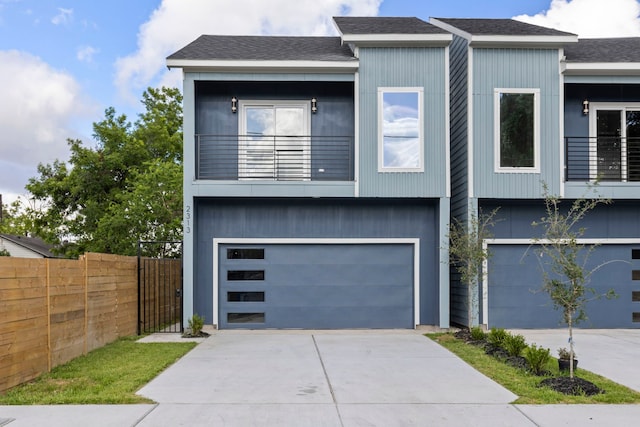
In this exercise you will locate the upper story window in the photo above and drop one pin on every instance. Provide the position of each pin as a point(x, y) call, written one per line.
point(517, 130)
point(614, 148)
point(400, 129)
point(274, 140)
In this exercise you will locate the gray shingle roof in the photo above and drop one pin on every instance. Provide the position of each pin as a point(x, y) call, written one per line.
point(501, 27)
point(624, 49)
point(385, 25)
point(34, 244)
point(258, 48)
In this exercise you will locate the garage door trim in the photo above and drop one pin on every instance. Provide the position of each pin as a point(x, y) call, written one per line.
point(534, 242)
point(319, 241)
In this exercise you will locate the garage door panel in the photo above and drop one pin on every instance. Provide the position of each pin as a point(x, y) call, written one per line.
point(331, 317)
point(345, 274)
point(515, 271)
point(338, 296)
point(324, 286)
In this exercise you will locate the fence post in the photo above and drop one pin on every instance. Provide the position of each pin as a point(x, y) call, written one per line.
point(86, 302)
point(48, 284)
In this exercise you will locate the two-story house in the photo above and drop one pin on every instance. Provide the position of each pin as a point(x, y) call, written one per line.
point(317, 177)
point(321, 173)
point(532, 106)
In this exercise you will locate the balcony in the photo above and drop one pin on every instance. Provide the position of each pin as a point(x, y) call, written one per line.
point(611, 159)
point(274, 158)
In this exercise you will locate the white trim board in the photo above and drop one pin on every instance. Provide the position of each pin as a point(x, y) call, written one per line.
point(534, 242)
point(317, 241)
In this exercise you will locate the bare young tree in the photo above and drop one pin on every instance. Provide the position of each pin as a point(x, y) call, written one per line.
point(565, 273)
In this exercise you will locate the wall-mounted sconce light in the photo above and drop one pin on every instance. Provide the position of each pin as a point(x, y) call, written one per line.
point(314, 105)
point(585, 107)
point(234, 105)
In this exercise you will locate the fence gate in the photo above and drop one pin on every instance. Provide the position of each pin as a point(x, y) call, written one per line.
point(159, 287)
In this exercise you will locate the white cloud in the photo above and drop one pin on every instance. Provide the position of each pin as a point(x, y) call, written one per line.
point(64, 17)
point(38, 107)
point(85, 53)
point(590, 18)
point(176, 22)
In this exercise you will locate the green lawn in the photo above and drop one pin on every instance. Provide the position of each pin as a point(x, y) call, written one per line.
point(525, 385)
point(108, 375)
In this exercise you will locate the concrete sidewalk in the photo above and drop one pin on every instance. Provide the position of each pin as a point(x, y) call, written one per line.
point(324, 378)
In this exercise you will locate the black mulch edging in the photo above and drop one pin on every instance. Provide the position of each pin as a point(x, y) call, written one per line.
point(202, 334)
point(572, 386)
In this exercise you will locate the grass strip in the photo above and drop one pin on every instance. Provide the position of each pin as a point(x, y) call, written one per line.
point(526, 385)
point(109, 375)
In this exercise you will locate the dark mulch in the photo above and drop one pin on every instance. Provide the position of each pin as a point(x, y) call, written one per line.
point(572, 386)
point(496, 351)
point(201, 334)
point(463, 334)
point(517, 362)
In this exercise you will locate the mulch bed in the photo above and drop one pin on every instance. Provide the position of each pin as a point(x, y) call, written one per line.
point(202, 334)
point(570, 386)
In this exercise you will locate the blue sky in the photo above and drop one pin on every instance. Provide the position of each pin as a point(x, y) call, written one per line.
point(62, 62)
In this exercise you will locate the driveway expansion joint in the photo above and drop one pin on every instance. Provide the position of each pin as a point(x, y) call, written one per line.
point(326, 376)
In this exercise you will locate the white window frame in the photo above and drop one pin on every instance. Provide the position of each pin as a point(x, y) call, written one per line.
point(381, 92)
point(593, 133)
point(305, 138)
point(536, 130)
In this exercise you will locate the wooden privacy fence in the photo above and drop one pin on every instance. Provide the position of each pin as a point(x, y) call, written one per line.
point(53, 310)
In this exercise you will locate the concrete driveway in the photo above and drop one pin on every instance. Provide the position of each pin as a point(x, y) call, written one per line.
point(332, 378)
point(346, 379)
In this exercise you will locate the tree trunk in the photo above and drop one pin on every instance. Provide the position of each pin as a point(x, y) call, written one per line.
point(570, 323)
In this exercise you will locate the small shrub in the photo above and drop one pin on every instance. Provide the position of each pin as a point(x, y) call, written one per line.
point(196, 322)
point(477, 334)
point(537, 358)
point(497, 337)
point(514, 344)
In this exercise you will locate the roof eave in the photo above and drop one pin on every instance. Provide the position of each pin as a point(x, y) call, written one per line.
point(263, 66)
point(601, 68)
point(529, 41)
point(398, 40)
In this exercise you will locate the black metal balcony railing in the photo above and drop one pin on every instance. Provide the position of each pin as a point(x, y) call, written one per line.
point(605, 158)
point(280, 158)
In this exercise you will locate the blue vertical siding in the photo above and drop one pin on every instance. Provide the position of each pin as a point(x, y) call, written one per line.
point(617, 220)
point(515, 68)
point(318, 218)
point(459, 127)
point(459, 161)
point(403, 67)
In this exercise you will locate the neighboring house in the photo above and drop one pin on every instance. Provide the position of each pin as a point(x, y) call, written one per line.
point(25, 247)
point(573, 108)
point(316, 177)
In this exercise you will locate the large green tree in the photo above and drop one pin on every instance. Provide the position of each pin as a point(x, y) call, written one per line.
point(128, 186)
point(16, 218)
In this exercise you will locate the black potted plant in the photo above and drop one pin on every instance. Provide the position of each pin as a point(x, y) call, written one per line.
point(564, 359)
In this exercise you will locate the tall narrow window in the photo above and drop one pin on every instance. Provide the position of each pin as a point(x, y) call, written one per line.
point(517, 130)
point(274, 141)
point(400, 130)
